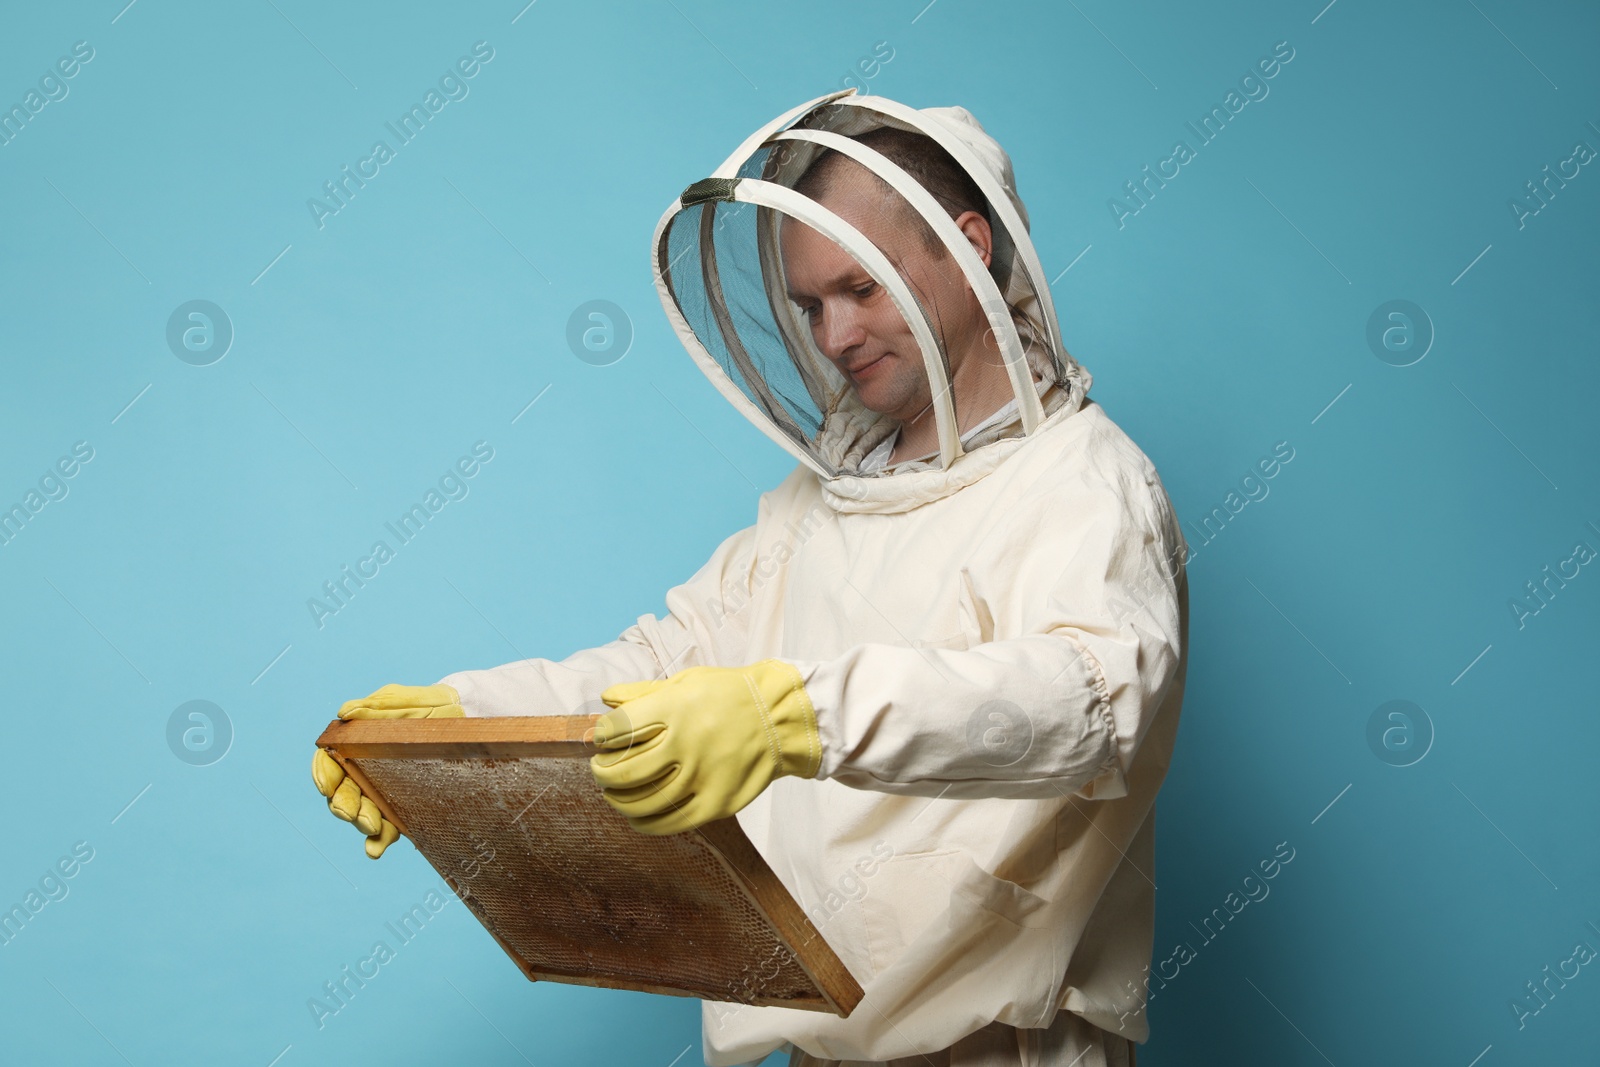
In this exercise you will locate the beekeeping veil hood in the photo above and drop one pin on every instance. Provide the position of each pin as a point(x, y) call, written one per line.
point(719, 271)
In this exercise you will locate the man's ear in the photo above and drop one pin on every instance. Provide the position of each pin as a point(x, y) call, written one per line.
point(976, 227)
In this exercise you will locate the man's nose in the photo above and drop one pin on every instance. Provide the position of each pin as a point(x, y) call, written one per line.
point(840, 331)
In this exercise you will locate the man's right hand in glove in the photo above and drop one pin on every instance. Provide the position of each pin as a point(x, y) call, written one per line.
point(391, 702)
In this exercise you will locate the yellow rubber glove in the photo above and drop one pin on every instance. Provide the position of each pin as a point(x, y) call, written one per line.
point(345, 798)
point(406, 702)
point(703, 743)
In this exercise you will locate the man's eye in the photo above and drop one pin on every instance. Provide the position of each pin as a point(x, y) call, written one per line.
point(811, 312)
point(866, 290)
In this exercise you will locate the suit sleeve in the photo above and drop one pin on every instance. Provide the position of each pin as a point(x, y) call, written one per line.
point(1059, 709)
point(701, 619)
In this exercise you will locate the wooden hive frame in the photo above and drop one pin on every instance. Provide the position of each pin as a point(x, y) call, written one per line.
point(739, 935)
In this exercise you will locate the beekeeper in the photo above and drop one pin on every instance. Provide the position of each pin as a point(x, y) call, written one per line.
point(951, 645)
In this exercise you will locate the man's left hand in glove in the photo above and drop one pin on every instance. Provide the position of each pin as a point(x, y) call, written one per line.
point(345, 798)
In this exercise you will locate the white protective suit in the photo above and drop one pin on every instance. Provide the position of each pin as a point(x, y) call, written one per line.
point(993, 639)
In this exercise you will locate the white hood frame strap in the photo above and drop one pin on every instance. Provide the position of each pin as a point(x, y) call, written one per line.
point(875, 263)
point(730, 336)
point(999, 199)
point(661, 268)
point(752, 144)
point(996, 311)
point(863, 251)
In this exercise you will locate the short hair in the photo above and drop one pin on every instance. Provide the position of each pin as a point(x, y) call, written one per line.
point(919, 156)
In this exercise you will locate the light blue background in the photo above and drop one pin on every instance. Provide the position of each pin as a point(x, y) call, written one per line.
point(1224, 317)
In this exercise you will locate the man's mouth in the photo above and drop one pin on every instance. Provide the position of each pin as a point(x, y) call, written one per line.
point(867, 369)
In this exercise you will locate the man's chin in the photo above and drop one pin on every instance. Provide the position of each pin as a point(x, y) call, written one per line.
point(880, 394)
point(888, 409)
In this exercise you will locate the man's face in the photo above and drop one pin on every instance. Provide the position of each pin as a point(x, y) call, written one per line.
point(853, 321)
